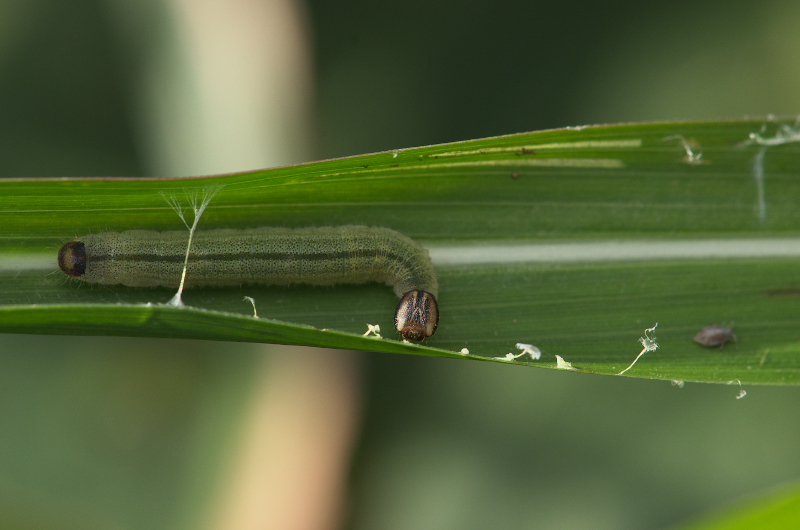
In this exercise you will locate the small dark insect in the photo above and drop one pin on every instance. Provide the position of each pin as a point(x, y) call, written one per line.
point(716, 335)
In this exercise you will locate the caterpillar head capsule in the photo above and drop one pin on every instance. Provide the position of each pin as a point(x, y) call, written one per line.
point(417, 315)
point(72, 259)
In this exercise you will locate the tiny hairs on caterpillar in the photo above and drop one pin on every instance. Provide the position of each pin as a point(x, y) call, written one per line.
point(266, 256)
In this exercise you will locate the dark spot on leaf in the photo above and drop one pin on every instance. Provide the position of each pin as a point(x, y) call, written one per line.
point(786, 291)
point(713, 336)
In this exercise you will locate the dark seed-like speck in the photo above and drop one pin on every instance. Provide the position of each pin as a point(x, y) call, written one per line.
point(715, 335)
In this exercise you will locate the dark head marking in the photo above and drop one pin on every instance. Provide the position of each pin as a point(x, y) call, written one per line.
point(417, 315)
point(72, 259)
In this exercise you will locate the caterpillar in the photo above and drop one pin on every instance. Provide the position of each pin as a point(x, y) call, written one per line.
point(266, 256)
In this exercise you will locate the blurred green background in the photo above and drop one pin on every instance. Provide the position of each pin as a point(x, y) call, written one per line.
point(124, 433)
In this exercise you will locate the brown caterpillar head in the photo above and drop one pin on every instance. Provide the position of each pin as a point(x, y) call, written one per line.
point(417, 315)
point(72, 259)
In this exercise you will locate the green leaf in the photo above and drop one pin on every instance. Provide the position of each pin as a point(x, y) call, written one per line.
point(779, 509)
point(573, 240)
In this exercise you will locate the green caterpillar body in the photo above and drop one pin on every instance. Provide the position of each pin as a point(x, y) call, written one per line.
point(266, 256)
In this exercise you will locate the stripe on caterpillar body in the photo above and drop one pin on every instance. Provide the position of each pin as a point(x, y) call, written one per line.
point(266, 256)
